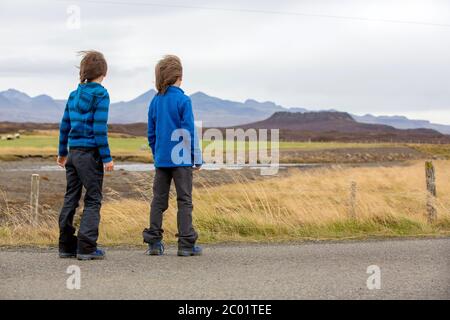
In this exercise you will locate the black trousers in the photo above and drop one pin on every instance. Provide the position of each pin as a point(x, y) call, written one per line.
point(182, 177)
point(84, 168)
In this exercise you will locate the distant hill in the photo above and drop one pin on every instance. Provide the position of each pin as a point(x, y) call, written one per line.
point(16, 106)
point(402, 122)
point(297, 126)
point(215, 112)
point(340, 126)
point(131, 111)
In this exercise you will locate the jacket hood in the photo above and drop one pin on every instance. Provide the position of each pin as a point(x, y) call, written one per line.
point(86, 96)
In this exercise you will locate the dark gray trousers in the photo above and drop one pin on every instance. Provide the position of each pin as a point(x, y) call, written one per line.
point(182, 177)
point(84, 168)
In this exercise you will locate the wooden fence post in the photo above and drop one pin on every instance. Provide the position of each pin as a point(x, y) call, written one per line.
point(431, 191)
point(34, 199)
point(352, 207)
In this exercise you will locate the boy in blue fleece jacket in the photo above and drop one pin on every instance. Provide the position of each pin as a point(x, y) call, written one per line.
point(84, 130)
point(174, 143)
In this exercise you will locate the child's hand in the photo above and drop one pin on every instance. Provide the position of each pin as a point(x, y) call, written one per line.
point(109, 166)
point(61, 161)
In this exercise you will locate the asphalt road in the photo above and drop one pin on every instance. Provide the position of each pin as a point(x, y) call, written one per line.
point(409, 269)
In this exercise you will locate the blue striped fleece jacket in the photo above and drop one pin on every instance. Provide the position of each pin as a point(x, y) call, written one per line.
point(84, 123)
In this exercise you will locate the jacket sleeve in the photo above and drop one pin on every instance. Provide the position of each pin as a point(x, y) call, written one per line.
point(101, 128)
point(188, 123)
point(151, 134)
point(64, 129)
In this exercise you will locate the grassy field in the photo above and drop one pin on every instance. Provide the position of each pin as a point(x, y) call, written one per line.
point(307, 205)
point(434, 150)
point(45, 144)
point(48, 143)
point(131, 148)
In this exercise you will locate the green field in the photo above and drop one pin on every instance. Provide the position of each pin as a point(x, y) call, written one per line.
point(51, 142)
point(45, 145)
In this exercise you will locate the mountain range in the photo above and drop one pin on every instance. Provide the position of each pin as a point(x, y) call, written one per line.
point(17, 106)
point(340, 126)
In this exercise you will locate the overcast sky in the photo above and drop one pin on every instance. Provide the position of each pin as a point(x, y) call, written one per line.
point(289, 52)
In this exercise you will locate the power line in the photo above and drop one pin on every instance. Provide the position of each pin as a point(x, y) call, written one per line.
point(258, 11)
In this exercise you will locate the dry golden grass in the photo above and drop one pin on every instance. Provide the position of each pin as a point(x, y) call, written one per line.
point(312, 204)
point(433, 150)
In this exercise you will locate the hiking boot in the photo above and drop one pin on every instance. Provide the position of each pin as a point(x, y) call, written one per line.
point(67, 255)
point(155, 249)
point(194, 251)
point(96, 255)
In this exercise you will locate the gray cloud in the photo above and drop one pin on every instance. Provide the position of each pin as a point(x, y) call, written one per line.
point(294, 60)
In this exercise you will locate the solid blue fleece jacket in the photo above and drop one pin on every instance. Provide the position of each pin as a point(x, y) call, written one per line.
point(171, 130)
point(84, 123)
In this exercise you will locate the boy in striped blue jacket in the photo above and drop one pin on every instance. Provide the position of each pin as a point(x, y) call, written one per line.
point(84, 131)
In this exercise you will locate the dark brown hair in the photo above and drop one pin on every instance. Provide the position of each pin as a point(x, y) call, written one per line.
point(167, 72)
point(92, 66)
